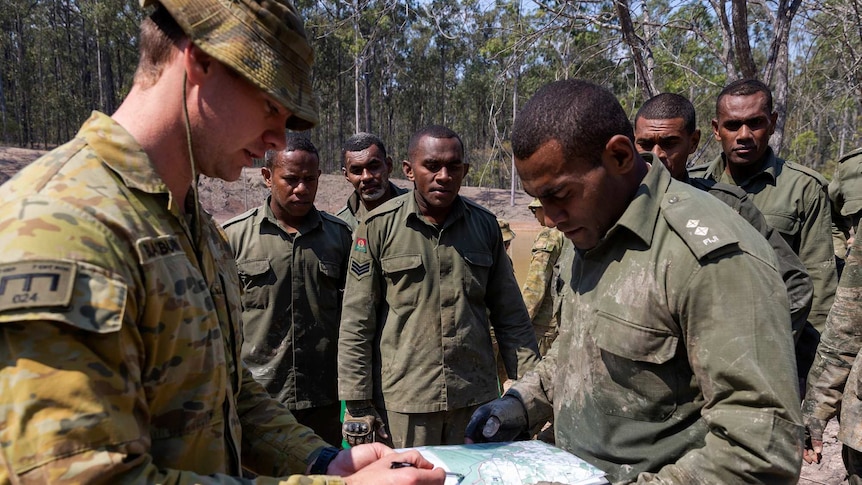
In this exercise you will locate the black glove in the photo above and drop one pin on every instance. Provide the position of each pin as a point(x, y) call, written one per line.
point(503, 419)
point(363, 424)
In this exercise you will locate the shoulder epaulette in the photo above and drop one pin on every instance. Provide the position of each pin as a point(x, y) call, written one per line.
point(698, 219)
point(713, 185)
point(333, 218)
point(699, 169)
point(390, 205)
point(245, 215)
point(473, 204)
point(807, 171)
point(848, 156)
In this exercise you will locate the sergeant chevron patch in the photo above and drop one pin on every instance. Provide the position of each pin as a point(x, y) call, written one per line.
point(360, 269)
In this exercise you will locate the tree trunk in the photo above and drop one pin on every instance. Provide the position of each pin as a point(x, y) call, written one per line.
point(641, 52)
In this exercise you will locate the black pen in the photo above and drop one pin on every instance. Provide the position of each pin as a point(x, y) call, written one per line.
point(407, 464)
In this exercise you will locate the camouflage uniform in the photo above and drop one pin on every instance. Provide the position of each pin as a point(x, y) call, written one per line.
point(793, 200)
point(354, 211)
point(673, 363)
point(835, 381)
point(292, 308)
point(539, 287)
point(120, 353)
point(418, 306)
point(845, 192)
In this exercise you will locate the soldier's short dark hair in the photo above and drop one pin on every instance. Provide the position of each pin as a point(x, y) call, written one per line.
point(580, 115)
point(359, 142)
point(433, 131)
point(293, 142)
point(746, 87)
point(668, 106)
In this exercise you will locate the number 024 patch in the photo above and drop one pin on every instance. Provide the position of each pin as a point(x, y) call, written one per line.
point(28, 284)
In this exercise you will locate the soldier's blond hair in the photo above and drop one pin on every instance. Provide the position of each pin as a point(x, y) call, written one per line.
point(160, 34)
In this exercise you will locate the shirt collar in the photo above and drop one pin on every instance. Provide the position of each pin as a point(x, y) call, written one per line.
point(458, 210)
point(310, 222)
point(642, 213)
point(121, 152)
point(769, 168)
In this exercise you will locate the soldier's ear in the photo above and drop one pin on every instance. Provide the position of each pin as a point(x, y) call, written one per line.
point(619, 154)
point(407, 169)
point(694, 141)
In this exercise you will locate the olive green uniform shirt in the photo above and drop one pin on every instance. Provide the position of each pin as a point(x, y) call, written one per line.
point(800, 288)
point(120, 332)
point(540, 286)
point(674, 362)
point(354, 211)
point(835, 380)
point(794, 201)
point(291, 302)
point(418, 307)
point(845, 192)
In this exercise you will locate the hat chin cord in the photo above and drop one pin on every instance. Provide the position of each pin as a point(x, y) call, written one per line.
point(195, 222)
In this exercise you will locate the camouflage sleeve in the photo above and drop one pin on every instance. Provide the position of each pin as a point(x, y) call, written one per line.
point(841, 342)
point(273, 442)
point(508, 316)
point(539, 274)
point(81, 420)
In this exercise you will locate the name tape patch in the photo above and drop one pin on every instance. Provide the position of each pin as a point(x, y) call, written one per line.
point(152, 248)
point(29, 284)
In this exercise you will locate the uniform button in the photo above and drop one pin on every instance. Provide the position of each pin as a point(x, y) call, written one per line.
point(673, 200)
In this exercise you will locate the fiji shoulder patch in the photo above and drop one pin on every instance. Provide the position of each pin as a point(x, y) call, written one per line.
point(361, 245)
point(703, 227)
point(29, 284)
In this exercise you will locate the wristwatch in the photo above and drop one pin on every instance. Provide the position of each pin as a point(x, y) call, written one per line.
point(323, 460)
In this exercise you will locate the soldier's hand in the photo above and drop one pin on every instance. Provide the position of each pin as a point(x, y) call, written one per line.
point(499, 420)
point(362, 424)
point(813, 439)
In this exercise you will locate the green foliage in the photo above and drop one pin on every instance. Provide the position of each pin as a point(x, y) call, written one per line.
point(392, 67)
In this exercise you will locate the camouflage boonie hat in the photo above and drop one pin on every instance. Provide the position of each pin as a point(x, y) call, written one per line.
point(263, 41)
point(535, 204)
point(508, 233)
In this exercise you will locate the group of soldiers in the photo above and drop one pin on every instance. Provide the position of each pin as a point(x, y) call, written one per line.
point(668, 333)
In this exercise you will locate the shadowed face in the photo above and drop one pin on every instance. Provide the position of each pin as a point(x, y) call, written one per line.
point(436, 168)
point(743, 128)
point(234, 123)
point(368, 171)
point(581, 199)
point(669, 141)
point(293, 184)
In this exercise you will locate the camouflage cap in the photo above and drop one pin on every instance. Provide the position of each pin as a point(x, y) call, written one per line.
point(263, 41)
point(535, 204)
point(508, 233)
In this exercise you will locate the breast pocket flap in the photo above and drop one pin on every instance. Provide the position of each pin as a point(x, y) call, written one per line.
point(634, 342)
point(398, 264)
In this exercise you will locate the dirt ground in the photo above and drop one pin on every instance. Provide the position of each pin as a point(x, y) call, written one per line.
point(224, 200)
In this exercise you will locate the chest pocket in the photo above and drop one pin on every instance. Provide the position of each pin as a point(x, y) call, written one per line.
point(786, 223)
point(331, 284)
point(636, 374)
point(403, 273)
point(478, 271)
point(256, 276)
